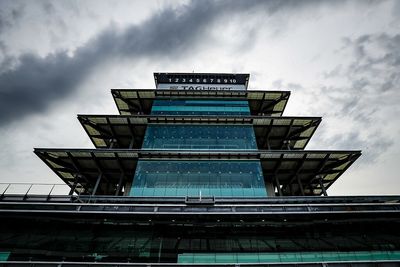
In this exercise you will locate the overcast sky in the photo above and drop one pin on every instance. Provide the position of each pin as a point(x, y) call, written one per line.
point(340, 59)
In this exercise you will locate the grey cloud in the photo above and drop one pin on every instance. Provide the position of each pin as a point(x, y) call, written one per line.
point(4, 23)
point(373, 77)
point(373, 70)
point(10, 13)
point(17, 13)
point(295, 86)
point(48, 7)
point(392, 46)
point(349, 106)
point(277, 84)
point(280, 84)
point(36, 82)
point(372, 145)
point(367, 62)
point(337, 71)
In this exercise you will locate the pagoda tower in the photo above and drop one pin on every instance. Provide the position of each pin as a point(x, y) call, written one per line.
point(200, 170)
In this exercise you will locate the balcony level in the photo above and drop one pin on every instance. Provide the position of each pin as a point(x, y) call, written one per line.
point(128, 131)
point(110, 171)
point(117, 234)
point(140, 101)
point(205, 210)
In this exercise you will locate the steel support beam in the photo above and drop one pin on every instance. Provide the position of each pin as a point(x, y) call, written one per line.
point(97, 184)
point(119, 187)
point(321, 184)
point(300, 185)
point(278, 185)
point(73, 187)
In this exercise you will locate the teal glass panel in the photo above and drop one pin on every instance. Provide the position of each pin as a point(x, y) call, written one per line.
point(247, 258)
point(224, 257)
point(4, 256)
point(289, 257)
point(185, 258)
point(319, 256)
point(195, 178)
point(310, 257)
point(269, 257)
point(200, 107)
point(193, 137)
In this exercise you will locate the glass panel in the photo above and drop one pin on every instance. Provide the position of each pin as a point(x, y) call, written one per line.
point(224, 257)
point(294, 257)
point(28, 239)
point(195, 178)
point(4, 256)
point(200, 107)
point(199, 137)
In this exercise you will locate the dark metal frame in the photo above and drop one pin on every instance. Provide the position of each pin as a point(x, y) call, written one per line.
point(233, 213)
point(284, 200)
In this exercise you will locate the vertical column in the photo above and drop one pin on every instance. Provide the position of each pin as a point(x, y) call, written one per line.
point(321, 184)
point(300, 185)
point(97, 184)
point(278, 185)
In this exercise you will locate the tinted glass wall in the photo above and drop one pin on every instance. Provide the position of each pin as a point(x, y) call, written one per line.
point(200, 107)
point(74, 240)
point(194, 178)
point(199, 137)
point(205, 177)
point(320, 256)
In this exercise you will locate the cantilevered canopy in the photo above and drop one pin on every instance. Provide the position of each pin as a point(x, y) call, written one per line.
point(127, 131)
point(140, 101)
point(107, 171)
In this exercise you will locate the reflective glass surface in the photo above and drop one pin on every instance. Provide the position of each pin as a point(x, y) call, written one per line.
point(160, 136)
point(195, 178)
point(317, 256)
point(200, 107)
point(4, 256)
point(46, 238)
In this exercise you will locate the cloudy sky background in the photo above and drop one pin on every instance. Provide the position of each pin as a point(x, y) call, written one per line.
point(340, 59)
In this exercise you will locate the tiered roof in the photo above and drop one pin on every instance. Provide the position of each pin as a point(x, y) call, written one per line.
point(271, 132)
point(298, 172)
point(140, 101)
point(118, 139)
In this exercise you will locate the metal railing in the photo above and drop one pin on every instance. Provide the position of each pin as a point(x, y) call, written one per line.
point(57, 192)
point(231, 210)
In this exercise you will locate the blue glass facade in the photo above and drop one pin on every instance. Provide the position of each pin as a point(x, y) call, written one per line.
point(195, 178)
point(181, 136)
point(200, 107)
point(320, 256)
point(232, 178)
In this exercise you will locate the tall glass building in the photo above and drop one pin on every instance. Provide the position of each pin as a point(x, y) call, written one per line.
point(199, 171)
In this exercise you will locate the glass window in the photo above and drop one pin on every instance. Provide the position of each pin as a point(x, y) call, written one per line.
point(210, 137)
point(318, 256)
point(195, 178)
point(200, 107)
